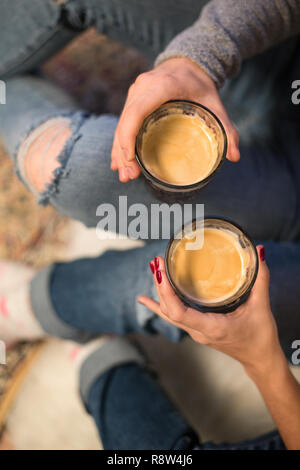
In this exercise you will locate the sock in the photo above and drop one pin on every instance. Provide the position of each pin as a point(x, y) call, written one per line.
point(17, 320)
point(78, 353)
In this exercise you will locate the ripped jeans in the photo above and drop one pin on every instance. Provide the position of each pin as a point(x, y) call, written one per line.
point(62, 153)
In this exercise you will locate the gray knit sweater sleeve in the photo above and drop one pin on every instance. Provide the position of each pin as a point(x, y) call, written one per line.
point(229, 31)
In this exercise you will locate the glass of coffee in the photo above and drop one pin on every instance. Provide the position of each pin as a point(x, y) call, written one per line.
point(180, 147)
point(212, 265)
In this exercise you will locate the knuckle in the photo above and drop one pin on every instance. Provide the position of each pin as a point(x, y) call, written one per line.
point(114, 155)
point(170, 77)
point(122, 136)
point(125, 138)
point(170, 81)
point(140, 79)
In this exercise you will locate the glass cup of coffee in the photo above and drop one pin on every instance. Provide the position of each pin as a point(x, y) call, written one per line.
point(212, 265)
point(180, 147)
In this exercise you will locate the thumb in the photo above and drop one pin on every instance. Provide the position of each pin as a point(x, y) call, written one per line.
point(216, 105)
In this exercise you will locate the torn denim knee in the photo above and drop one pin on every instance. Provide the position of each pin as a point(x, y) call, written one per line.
point(38, 162)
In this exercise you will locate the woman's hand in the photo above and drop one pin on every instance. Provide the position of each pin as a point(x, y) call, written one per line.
point(174, 79)
point(249, 334)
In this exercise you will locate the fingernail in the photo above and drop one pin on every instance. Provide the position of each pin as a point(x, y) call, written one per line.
point(156, 262)
point(262, 253)
point(158, 276)
point(130, 172)
point(123, 174)
point(151, 264)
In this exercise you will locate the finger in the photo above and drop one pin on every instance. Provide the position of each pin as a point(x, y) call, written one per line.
point(123, 175)
point(127, 170)
point(260, 289)
point(215, 104)
point(118, 157)
point(155, 266)
point(114, 153)
point(113, 161)
point(133, 169)
point(171, 305)
point(116, 160)
point(155, 308)
point(233, 153)
point(133, 116)
point(113, 165)
point(175, 311)
point(150, 303)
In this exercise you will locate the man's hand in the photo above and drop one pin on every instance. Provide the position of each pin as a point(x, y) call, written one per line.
point(249, 334)
point(174, 79)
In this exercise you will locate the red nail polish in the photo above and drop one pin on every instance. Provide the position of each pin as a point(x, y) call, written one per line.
point(158, 277)
point(262, 253)
point(156, 261)
point(152, 267)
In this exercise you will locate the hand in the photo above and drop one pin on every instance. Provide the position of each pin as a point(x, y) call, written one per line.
point(249, 334)
point(174, 79)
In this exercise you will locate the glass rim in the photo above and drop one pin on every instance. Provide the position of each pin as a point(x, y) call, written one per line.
point(192, 185)
point(226, 306)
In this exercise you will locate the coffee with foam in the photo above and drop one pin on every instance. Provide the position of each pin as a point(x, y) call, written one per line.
point(179, 149)
point(212, 264)
point(214, 272)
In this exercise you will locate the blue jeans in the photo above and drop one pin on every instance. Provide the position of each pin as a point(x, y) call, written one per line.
point(258, 101)
point(91, 296)
point(132, 411)
point(87, 297)
point(78, 300)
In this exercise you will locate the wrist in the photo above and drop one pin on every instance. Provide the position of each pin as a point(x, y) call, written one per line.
point(183, 63)
point(275, 364)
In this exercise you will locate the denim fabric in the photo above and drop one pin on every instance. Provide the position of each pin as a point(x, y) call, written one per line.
point(115, 351)
point(131, 410)
point(87, 297)
point(270, 441)
point(31, 32)
point(246, 192)
point(91, 296)
point(261, 192)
